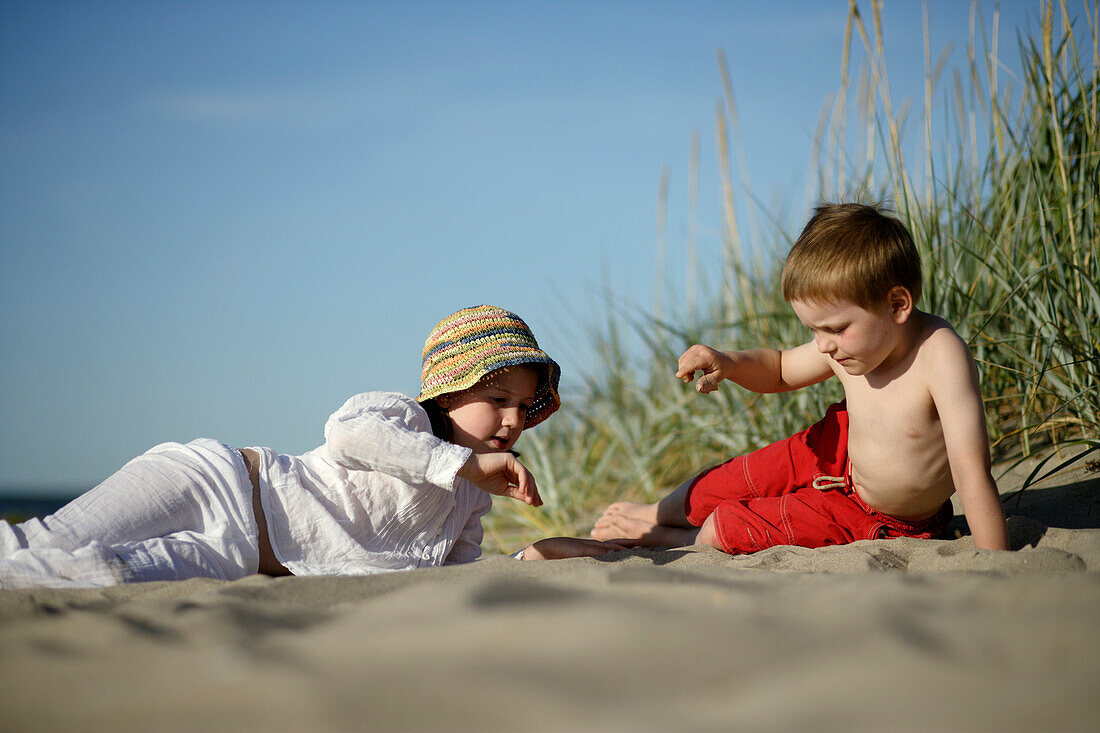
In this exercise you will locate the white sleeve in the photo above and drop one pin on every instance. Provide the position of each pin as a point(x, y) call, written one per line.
point(391, 433)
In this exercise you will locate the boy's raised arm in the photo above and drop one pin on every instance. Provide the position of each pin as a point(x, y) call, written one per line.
point(757, 370)
point(802, 366)
point(953, 383)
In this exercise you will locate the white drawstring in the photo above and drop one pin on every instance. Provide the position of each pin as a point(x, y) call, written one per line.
point(828, 483)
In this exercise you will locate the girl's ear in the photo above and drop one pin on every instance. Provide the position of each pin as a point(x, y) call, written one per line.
point(901, 304)
point(444, 401)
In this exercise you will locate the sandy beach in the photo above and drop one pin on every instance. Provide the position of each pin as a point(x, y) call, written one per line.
point(885, 635)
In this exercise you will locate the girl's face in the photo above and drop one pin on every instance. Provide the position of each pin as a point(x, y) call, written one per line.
point(488, 417)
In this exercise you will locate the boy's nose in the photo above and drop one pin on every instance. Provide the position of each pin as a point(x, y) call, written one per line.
point(824, 345)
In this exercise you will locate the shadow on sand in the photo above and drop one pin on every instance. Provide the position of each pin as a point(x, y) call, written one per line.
point(1030, 512)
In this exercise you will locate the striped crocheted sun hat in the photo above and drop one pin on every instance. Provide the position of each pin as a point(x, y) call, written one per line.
point(473, 342)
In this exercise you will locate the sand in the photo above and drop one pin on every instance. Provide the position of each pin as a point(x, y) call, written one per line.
point(893, 635)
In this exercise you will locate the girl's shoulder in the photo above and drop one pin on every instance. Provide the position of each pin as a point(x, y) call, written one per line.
point(387, 405)
point(382, 400)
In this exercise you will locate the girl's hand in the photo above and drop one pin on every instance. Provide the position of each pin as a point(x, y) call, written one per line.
point(557, 548)
point(501, 474)
point(712, 363)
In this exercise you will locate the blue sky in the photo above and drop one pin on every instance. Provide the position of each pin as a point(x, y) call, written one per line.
point(222, 219)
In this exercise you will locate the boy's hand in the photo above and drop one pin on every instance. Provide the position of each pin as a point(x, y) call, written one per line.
point(712, 363)
point(501, 474)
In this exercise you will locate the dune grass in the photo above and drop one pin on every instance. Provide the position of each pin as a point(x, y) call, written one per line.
point(1001, 199)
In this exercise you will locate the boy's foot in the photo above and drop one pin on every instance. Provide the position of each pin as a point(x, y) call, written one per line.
point(619, 526)
point(616, 526)
point(645, 512)
point(617, 519)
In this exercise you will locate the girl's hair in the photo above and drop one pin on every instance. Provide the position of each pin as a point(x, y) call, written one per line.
point(441, 424)
point(851, 252)
point(468, 345)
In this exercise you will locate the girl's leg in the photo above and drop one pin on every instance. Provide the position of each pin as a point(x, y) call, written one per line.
point(182, 555)
point(142, 499)
point(164, 500)
point(176, 557)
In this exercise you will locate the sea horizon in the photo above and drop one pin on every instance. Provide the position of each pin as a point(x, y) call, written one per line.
point(18, 503)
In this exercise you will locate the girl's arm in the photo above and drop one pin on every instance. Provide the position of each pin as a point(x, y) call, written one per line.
point(559, 548)
point(391, 433)
point(501, 474)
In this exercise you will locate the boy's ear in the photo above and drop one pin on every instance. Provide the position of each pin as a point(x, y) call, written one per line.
point(901, 304)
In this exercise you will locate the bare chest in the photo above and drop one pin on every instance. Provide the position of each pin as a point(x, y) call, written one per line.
point(895, 438)
point(899, 417)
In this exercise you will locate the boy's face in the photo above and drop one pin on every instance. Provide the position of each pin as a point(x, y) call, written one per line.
point(489, 417)
point(858, 340)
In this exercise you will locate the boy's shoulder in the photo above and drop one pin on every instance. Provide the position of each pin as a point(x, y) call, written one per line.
point(933, 328)
point(939, 346)
point(936, 330)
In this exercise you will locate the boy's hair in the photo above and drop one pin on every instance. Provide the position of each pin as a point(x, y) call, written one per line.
point(851, 252)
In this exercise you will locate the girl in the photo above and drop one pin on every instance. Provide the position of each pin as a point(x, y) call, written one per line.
point(397, 484)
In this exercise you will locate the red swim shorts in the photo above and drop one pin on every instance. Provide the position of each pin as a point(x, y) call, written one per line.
point(767, 497)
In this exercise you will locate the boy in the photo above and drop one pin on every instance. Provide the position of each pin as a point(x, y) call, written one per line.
point(882, 463)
